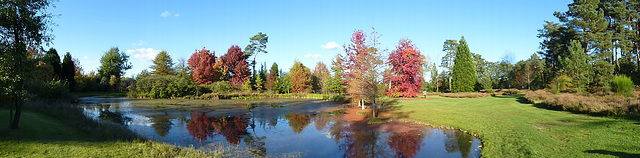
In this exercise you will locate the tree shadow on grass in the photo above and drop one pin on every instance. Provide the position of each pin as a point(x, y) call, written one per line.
point(612, 153)
point(519, 98)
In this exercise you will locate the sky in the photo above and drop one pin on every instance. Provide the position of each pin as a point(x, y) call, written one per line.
point(305, 31)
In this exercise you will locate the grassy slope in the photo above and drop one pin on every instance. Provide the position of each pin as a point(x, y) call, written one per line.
point(510, 128)
point(43, 136)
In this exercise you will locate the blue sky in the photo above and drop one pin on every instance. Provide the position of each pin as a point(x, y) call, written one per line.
point(297, 30)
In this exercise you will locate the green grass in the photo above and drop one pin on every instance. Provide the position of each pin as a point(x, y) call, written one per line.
point(43, 136)
point(510, 127)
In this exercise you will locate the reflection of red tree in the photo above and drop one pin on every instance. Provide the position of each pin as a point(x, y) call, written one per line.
point(232, 128)
point(200, 126)
point(406, 144)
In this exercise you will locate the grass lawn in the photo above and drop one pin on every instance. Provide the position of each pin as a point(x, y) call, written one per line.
point(43, 136)
point(511, 127)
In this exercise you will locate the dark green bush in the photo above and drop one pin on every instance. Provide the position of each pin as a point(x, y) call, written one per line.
point(623, 85)
point(52, 90)
point(163, 86)
point(220, 87)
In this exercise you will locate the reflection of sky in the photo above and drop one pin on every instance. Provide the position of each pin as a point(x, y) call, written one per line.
point(280, 138)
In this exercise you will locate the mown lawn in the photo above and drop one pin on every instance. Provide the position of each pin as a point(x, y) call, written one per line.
point(43, 136)
point(509, 126)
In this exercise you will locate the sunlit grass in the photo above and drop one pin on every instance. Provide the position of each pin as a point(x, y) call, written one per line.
point(511, 127)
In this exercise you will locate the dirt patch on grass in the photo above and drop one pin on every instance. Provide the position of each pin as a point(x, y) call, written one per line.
point(351, 115)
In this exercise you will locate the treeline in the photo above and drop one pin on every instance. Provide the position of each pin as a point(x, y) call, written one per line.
point(594, 42)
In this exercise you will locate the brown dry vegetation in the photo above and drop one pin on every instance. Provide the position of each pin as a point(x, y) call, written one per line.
point(465, 95)
point(604, 104)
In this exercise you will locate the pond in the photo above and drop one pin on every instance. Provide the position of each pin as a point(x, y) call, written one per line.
point(311, 128)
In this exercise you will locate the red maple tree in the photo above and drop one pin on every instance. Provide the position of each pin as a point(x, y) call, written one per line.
point(236, 64)
point(205, 69)
point(406, 70)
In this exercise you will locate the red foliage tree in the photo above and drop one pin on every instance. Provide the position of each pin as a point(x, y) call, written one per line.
point(236, 64)
point(406, 70)
point(205, 68)
point(361, 67)
point(300, 78)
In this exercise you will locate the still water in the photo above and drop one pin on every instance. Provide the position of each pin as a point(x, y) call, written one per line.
point(311, 128)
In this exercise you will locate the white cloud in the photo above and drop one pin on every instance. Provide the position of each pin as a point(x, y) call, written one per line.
point(140, 43)
point(143, 53)
point(313, 56)
point(165, 14)
point(330, 45)
point(85, 57)
point(168, 14)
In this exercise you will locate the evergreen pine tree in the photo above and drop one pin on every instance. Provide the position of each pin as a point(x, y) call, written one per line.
point(576, 65)
point(464, 71)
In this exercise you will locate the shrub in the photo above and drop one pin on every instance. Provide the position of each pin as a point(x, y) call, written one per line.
point(163, 86)
point(593, 104)
point(623, 85)
point(51, 90)
point(220, 87)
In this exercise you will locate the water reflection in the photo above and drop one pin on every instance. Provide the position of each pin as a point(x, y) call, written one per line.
point(406, 144)
point(458, 141)
point(201, 127)
point(265, 130)
point(161, 124)
point(298, 122)
point(112, 115)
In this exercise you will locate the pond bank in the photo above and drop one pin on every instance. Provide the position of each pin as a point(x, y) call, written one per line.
point(510, 128)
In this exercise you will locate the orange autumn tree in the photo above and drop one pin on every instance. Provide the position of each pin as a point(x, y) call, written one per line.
point(300, 78)
point(361, 67)
point(205, 69)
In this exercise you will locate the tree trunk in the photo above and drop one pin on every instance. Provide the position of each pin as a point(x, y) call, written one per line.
point(638, 58)
point(16, 117)
point(450, 90)
point(373, 107)
point(11, 114)
point(362, 103)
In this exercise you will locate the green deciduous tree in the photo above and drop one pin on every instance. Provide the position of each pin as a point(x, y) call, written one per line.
point(464, 71)
point(113, 63)
point(162, 64)
point(22, 24)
